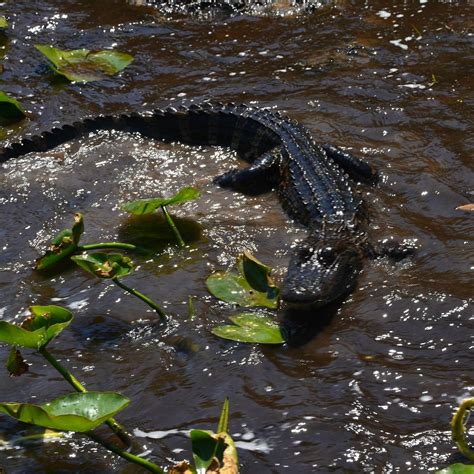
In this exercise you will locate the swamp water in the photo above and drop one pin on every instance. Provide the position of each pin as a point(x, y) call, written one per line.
point(375, 387)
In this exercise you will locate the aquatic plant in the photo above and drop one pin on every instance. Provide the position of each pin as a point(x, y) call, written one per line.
point(66, 243)
point(82, 65)
point(10, 110)
point(458, 434)
point(113, 266)
point(458, 428)
point(148, 206)
point(3, 22)
point(251, 328)
point(84, 411)
point(252, 286)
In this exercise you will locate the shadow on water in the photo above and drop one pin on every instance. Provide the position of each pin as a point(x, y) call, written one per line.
point(299, 325)
point(152, 231)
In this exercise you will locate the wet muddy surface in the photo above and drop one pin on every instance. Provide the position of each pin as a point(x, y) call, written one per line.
point(374, 387)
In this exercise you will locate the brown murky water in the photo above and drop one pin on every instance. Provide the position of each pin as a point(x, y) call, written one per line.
point(374, 388)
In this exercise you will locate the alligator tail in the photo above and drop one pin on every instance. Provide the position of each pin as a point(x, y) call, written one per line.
point(236, 126)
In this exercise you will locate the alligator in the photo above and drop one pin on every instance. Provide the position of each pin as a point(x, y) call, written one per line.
point(315, 183)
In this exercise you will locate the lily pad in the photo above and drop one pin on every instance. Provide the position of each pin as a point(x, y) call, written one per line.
point(457, 468)
point(105, 265)
point(45, 323)
point(82, 65)
point(78, 412)
point(3, 22)
point(147, 206)
point(63, 245)
point(10, 110)
point(251, 328)
point(252, 287)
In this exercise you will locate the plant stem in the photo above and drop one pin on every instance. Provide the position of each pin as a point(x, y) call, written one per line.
point(110, 245)
point(116, 427)
point(149, 466)
point(191, 310)
point(458, 428)
point(173, 227)
point(144, 298)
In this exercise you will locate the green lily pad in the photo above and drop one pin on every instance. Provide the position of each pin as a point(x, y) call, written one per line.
point(457, 468)
point(10, 110)
point(82, 65)
point(3, 22)
point(251, 328)
point(78, 412)
point(252, 287)
point(45, 324)
point(63, 245)
point(105, 265)
point(147, 206)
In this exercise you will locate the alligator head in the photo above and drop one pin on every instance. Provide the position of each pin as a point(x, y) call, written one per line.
point(322, 269)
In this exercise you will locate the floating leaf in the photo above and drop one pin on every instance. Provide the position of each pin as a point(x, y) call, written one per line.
point(3, 22)
point(457, 468)
point(257, 274)
point(81, 65)
point(252, 287)
point(466, 207)
point(10, 110)
point(234, 289)
point(147, 206)
point(45, 323)
point(15, 364)
point(78, 412)
point(105, 265)
point(252, 328)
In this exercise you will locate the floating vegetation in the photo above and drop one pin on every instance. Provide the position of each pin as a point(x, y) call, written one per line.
point(84, 411)
point(113, 266)
point(79, 412)
point(66, 243)
point(10, 110)
point(251, 286)
point(251, 328)
point(148, 206)
point(82, 65)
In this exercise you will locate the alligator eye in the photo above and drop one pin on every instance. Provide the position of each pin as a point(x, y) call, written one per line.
point(326, 256)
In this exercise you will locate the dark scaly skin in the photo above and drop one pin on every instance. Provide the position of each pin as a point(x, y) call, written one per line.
point(311, 181)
